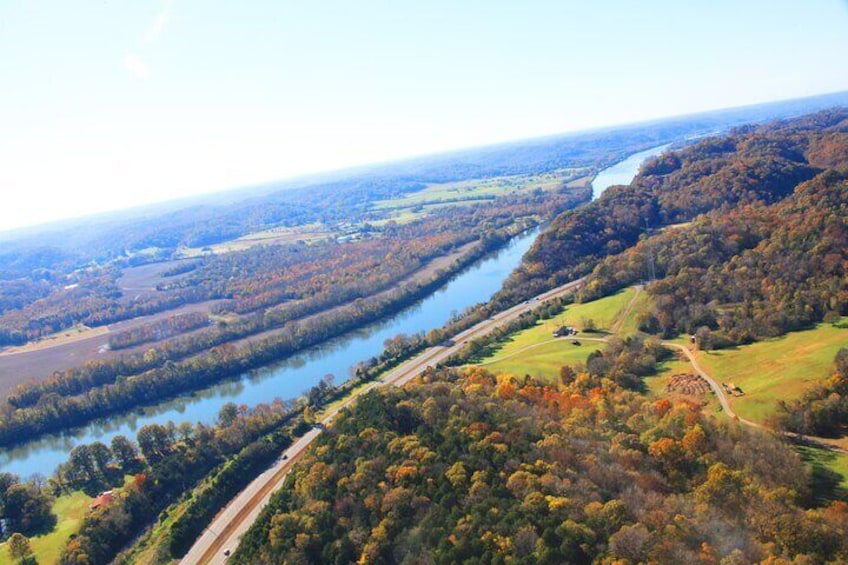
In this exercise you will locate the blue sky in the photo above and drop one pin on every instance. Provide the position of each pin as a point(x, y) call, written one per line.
point(110, 104)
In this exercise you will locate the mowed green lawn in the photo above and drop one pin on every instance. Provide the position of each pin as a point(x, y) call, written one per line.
point(544, 361)
point(70, 510)
point(536, 352)
point(829, 470)
point(776, 369)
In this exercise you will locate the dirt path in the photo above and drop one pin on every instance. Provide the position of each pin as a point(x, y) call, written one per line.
point(817, 441)
point(616, 326)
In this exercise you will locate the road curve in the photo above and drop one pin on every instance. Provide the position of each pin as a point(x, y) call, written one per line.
point(816, 441)
point(235, 519)
point(725, 405)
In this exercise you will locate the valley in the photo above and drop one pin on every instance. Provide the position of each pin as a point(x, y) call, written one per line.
point(453, 291)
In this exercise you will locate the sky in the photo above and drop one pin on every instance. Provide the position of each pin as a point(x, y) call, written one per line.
point(110, 104)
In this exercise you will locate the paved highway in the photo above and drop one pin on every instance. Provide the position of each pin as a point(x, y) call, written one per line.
point(222, 536)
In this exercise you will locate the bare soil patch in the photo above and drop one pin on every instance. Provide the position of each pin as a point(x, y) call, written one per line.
point(140, 282)
point(37, 363)
point(689, 384)
point(31, 362)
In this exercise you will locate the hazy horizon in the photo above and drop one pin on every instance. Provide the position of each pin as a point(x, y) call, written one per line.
point(308, 175)
point(120, 107)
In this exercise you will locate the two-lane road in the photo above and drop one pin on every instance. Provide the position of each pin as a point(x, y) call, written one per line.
point(222, 536)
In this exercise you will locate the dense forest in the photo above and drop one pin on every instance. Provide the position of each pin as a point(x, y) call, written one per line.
point(752, 166)
point(773, 262)
point(473, 468)
point(746, 238)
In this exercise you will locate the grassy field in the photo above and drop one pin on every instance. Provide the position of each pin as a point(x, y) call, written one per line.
point(640, 304)
point(306, 233)
point(829, 470)
point(69, 335)
point(70, 510)
point(536, 352)
point(775, 369)
point(479, 189)
point(655, 384)
point(543, 361)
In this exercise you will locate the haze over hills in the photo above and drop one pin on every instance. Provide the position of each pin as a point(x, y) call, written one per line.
point(424, 283)
point(240, 211)
point(583, 458)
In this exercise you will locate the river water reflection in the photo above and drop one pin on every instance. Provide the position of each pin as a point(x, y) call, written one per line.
point(287, 379)
point(623, 171)
point(291, 377)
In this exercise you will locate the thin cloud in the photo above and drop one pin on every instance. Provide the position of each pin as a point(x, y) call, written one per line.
point(162, 19)
point(136, 66)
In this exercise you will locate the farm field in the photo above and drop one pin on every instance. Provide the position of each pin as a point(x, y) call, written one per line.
point(70, 335)
point(70, 510)
point(536, 352)
point(776, 369)
point(480, 189)
point(274, 236)
point(18, 365)
point(142, 280)
point(655, 385)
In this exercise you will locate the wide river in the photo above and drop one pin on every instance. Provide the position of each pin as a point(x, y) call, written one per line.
point(623, 171)
point(293, 376)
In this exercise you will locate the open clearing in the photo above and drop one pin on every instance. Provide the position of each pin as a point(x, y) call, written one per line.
point(544, 361)
point(70, 335)
point(536, 352)
point(775, 369)
point(35, 362)
point(273, 236)
point(480, 189)
point(829, 470)
point(142, 280)
point(676, 365)
point(70, 510)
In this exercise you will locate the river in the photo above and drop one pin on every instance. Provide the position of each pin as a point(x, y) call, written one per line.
point(623, 171)
point(291, 377)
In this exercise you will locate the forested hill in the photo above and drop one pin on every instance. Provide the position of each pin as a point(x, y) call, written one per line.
point(470, 468)
point(748, 234)
point(335, 196)
point(753, 166)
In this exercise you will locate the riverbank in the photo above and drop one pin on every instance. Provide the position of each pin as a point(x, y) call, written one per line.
point(291, 377)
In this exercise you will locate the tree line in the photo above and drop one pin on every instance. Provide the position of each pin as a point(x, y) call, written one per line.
point(751, 165)
point(465, 466)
